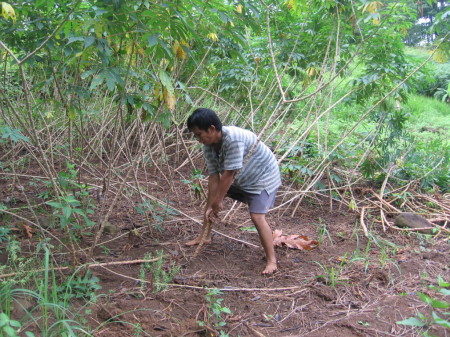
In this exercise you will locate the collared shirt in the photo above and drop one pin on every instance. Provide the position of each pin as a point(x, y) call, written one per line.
point(260, 172)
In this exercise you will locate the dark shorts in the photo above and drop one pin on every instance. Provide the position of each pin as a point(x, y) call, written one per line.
point(257, 203)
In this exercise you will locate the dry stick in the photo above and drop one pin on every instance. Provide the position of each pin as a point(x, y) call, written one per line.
point(332, 89)
point(422, 228)
point(440, 204)
point(383, 187)
point(361, 221)
point(316, 178)
point(107, 215)
point(200, 64)
point(89, 265)
point(385, 202)
point(45, 165)
point(189, 157)
point(67, 107)
point(231, 210)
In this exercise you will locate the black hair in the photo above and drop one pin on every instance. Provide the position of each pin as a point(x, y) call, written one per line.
point(203, 118)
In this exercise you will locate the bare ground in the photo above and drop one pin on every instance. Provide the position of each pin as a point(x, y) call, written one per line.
point(349, 285)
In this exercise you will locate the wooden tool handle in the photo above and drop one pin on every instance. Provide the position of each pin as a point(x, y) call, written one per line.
point(206, 231)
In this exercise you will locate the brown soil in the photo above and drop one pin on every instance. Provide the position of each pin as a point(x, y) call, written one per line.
point(374, 283)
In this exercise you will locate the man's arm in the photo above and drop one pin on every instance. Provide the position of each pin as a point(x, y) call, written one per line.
point(217, 189)
point(213, 187)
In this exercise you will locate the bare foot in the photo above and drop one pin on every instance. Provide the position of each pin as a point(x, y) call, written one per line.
point(271, 267)
point(196, 241)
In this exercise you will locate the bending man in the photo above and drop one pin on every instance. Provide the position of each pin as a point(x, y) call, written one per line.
point(252, 178)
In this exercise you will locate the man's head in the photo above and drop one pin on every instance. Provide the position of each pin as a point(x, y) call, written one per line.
point(203, 118)
point(206, 126)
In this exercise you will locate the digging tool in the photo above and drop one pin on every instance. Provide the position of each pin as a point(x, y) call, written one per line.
point(206, 232)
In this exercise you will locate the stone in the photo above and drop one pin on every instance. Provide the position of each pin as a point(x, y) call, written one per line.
point(109, 228)
point(415, 221)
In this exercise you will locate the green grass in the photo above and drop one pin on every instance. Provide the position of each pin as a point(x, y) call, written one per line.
point(428, 113)
point(419, 53)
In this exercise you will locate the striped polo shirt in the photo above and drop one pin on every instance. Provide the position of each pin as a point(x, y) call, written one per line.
point(261, 171)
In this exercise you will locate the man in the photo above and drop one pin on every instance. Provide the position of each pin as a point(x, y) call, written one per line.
point(240, 170)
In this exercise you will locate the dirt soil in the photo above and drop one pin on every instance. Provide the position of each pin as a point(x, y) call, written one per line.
point(347, 286)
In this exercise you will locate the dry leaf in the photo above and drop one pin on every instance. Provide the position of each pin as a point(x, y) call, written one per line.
point(26, 230)
point(295, 241)
point(169, 98)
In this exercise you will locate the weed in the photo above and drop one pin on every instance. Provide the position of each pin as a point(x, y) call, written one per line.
point(161, 278)
point(137, 330)
point(105, 249)
point(323, 232)
point(332, 275)
point(73, 204)
point(55, 317)
point(194, 182)
point(4, 234)
point(437, 306)
point(46, 192)
point(80, 287)
point(158, 212)
point(10, 327)
point(215, 311)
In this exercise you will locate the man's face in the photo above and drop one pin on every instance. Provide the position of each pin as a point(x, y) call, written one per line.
point(207, 137)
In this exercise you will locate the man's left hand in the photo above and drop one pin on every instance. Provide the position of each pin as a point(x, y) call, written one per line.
point(216, 207)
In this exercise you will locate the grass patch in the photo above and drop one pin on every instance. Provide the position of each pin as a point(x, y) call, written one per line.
point(429, 118)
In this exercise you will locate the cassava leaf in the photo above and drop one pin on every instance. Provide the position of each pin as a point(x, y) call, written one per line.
point(166, 81)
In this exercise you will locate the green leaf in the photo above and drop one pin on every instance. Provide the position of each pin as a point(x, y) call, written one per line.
point(226, 310)
point(433, 302)
point(88, 73)
point(153, 40)
point(440, 321)
point(89, 41)
point(110, 81)
point(412, 321)
point(96, 81)
point(9, 331)
point(441, 281)
point(67, 211)
point(248, 229)
point(15, 324)
point(78, 211)
point(74, 39)
point(445, 292)
point(54, 204)
point(166, 81)
point(12, 134)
